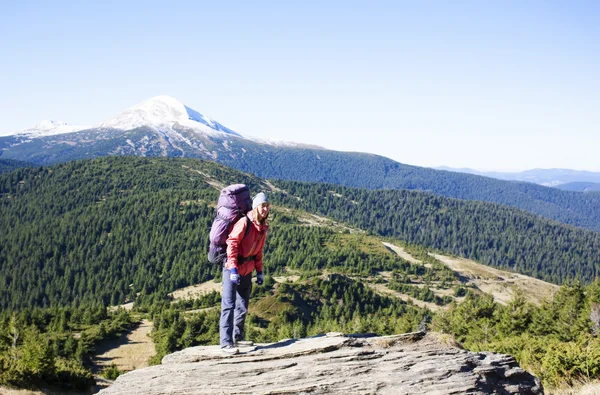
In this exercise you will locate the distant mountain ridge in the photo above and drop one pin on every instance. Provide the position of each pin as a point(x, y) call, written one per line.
point(49, 128)
point(546, 177)
point(163, 126)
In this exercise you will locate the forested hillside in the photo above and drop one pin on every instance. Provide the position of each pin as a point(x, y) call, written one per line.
point(376, 172)
point(79, 236)
point(109, 228)
point(297, 163)
point(496, 235)
point(105, 229)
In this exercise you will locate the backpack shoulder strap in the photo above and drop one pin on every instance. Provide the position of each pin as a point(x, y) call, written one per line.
point(248, 225)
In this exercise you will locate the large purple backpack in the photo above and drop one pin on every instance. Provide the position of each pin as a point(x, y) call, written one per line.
point(233, 204)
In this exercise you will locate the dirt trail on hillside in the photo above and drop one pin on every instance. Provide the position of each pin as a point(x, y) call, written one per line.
point(498, 283)
point(131, 351)
point(401, 253)
point(382, 289)
point(194, 291)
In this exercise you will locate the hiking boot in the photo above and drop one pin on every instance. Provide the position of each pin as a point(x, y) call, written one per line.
point(231, 350)
point(244, 343)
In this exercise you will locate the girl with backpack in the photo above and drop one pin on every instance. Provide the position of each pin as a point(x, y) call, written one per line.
point(245, 245)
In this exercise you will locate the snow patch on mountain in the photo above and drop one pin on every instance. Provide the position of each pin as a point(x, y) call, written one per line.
point(164, 113)
point(176, 122)
point(50, 128)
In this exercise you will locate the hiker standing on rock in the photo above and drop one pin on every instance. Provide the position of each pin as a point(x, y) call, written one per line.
point(245, 245)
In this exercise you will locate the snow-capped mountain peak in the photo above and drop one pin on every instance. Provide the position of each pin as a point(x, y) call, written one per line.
point(164, 112)
point(50, 127)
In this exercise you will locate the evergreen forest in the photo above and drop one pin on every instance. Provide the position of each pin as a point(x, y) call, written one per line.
point(78, 237)
point(499, 236)
point(362, 170)
point(309, 164)
point(8, 165)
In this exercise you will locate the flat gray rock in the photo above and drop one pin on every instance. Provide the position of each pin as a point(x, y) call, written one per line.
point(402, 364)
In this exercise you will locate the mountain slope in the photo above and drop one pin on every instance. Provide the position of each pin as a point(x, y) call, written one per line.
point(376, 172)
point(499, 236)
point(163, 126)
point(164, 112)
point(109, 228)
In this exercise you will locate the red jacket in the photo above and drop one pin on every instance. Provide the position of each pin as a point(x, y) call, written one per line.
point(240, 246)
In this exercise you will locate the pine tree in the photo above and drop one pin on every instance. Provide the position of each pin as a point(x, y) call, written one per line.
point(37, 358)
point(516, 316)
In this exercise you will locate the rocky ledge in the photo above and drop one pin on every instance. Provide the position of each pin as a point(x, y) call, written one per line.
point(412, 363)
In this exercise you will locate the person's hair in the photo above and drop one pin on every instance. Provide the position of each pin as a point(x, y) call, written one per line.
point(263, 221)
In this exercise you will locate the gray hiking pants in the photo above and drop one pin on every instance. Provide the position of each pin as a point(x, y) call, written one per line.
point(234, 307)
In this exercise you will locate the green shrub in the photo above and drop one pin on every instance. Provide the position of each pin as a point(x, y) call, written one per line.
point(111, 372)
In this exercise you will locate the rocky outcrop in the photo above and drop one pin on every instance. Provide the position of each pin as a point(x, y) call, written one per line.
point(333, 364)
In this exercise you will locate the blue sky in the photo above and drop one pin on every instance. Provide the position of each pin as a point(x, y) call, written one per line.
point(504, 85)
